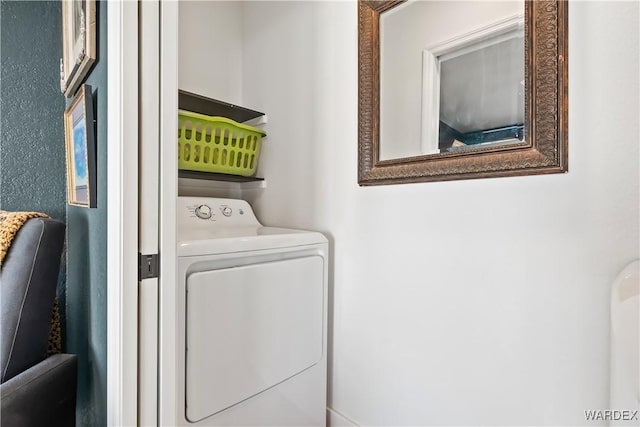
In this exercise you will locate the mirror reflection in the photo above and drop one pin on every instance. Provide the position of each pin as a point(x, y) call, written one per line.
point(451, 77)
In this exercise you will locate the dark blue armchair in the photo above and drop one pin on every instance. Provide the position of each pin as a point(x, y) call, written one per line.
point(36, 390)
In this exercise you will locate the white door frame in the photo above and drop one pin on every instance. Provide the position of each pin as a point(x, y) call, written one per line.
point(167, 401)
point(122, 213)
point(123, 210)
point(148, 205)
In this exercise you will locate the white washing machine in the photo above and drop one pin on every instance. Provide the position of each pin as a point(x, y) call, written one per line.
point(252, 316)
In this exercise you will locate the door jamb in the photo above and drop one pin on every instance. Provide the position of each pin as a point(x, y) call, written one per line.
point(122, 213)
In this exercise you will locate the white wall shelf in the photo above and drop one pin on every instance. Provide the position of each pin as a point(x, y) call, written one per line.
point(191, 183)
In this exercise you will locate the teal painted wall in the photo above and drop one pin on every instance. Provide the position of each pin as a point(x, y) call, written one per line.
point(32, 150)
point(87, 262)
point(32, 153)
point(32, 173)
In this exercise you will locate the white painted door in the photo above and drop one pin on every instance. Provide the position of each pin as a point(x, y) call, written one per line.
point(167, 408)
point(142, 191)
point(149, 216)
point(157, 207)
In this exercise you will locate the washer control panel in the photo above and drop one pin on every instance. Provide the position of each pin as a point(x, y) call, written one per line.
point(199, 212)
point(203, 212)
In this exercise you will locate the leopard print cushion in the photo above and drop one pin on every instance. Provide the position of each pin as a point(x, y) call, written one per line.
point(55, 333)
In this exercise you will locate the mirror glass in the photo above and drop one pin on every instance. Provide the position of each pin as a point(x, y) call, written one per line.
point(451, 77)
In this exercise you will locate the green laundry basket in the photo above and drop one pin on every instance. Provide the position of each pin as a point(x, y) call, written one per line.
point(217, 144)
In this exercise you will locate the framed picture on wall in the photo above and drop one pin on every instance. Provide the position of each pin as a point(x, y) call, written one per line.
point(78, 43)
point(80, 148)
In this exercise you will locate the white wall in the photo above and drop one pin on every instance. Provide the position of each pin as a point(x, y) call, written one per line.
point(481, 302)
point(210, 49)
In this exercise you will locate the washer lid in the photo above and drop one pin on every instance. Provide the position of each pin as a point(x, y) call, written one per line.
point(242, 239)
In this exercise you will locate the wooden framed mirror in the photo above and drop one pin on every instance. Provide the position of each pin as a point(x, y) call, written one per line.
point(465, 128)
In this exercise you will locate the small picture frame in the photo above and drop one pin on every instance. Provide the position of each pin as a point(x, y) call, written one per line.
point(80, 150)
point(78, 43)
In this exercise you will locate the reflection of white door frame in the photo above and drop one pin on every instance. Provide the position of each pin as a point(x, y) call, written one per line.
point(430, 125)
point(497, 32)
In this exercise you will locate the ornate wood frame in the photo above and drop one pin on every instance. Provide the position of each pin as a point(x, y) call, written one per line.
point(546, 107)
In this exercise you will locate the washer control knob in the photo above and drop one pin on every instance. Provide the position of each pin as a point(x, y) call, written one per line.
point(226, 211)
point(203, 212)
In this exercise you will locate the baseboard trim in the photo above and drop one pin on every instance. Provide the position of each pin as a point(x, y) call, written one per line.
point(336, 419)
